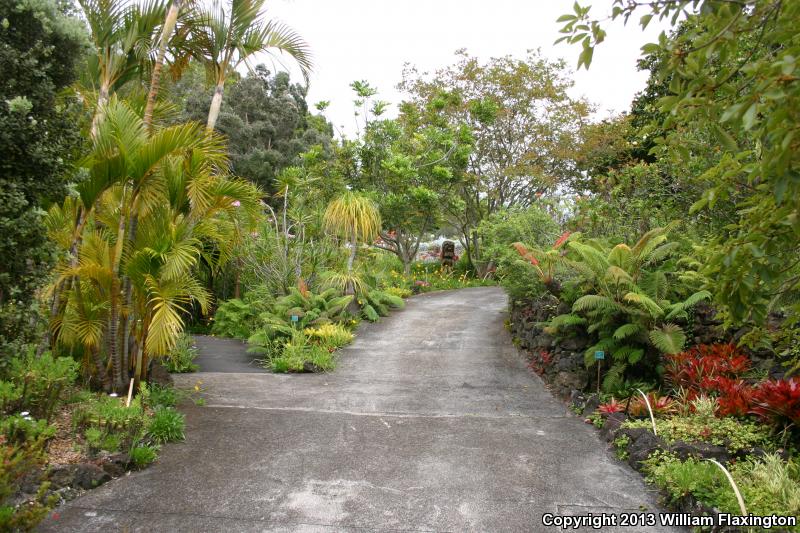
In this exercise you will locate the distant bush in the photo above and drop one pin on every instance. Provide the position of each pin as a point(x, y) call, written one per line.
point(180, 358)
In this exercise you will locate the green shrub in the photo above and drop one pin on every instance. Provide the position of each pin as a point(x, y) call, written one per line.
point(700, 479)
point(10, 396)
point(163, 396)
point(142, 456)
point(180, 358)
point(93, 437)
point(375, 304)
point(24, 429)
point(166, 425)
point(41, 381)
point(236, 319)
point(109, 414)
point(768, 485)
point(400, 292)
point(632, 299)
point(300, 355)
point(734, 434)
point(18, 460)
point(330, 335)
point(309, 309)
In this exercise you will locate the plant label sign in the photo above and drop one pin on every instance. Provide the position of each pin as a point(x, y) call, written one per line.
point(295, 318)
point(599, 355)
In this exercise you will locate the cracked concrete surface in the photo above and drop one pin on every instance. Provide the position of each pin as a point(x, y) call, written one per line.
point(431, 422)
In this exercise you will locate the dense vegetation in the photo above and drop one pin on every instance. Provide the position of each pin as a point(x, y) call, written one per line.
point(147, 187)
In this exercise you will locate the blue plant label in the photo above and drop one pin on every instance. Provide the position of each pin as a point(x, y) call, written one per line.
point(599, 355)
point(295, 318)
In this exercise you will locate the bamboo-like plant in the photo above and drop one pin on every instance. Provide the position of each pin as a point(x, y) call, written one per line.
point(170, 183)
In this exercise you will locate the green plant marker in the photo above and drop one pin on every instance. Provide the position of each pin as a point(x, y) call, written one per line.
point(295, 318)
point(599, 355)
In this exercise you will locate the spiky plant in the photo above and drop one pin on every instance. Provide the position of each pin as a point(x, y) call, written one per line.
point(354, 218)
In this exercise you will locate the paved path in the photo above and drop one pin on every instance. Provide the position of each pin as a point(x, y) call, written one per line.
point(431, 422)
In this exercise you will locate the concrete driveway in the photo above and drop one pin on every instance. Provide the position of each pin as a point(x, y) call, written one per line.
point(431, 422)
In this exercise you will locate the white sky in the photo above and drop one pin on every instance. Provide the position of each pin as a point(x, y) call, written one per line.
point(372, 39)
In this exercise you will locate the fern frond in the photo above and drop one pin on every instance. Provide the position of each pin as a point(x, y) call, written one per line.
point(669, 338)
point(627, 330)
point(565, 321)
point(618, 276)
point(591, 302)
point(620, 256)
point(678, 309)
point(661, 253)
point(613, 378)
point(645, 302)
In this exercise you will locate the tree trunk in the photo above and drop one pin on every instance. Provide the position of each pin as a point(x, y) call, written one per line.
point(115, 301)
point(351, 259)
point(155, 80)
point(353, 307)
point(216, 105)
point(99, 112)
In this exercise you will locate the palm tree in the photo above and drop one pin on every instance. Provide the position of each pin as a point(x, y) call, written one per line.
point(170, 181)
point(167, 30)
point(354, 218)
point(122, 35)
point(224, 39)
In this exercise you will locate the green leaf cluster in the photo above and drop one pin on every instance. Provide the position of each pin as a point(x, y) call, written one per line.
point(631, 299)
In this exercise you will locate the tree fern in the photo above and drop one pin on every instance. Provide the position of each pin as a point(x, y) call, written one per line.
point(661, 253)
point(613, 377)
point(608, 345)
point(691, 301)
point(594, 301)
point(627, 330)
point(645, 302)
point(593, 258)
point(618, 276)
point(669, 338)
point(655, 284)
point(620, 256)
point(566, 321)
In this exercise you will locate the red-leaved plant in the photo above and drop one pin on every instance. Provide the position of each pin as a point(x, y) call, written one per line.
point(661, 405)
point(612, 406)
point(696, 366)
point(778, 401)
point(734, 396)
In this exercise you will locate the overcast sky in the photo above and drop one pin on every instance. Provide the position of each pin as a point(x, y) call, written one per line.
point(372, 39)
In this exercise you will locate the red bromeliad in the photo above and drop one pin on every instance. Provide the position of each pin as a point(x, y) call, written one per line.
point(778, 401)
point(612, 406)
point(690, 369)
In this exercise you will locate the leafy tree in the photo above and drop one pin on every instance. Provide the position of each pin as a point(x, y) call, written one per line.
point(39, 48)
point(532, 227)
point(734, 66)
point(267, 124)
point(524, 128)
point(411, 165)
